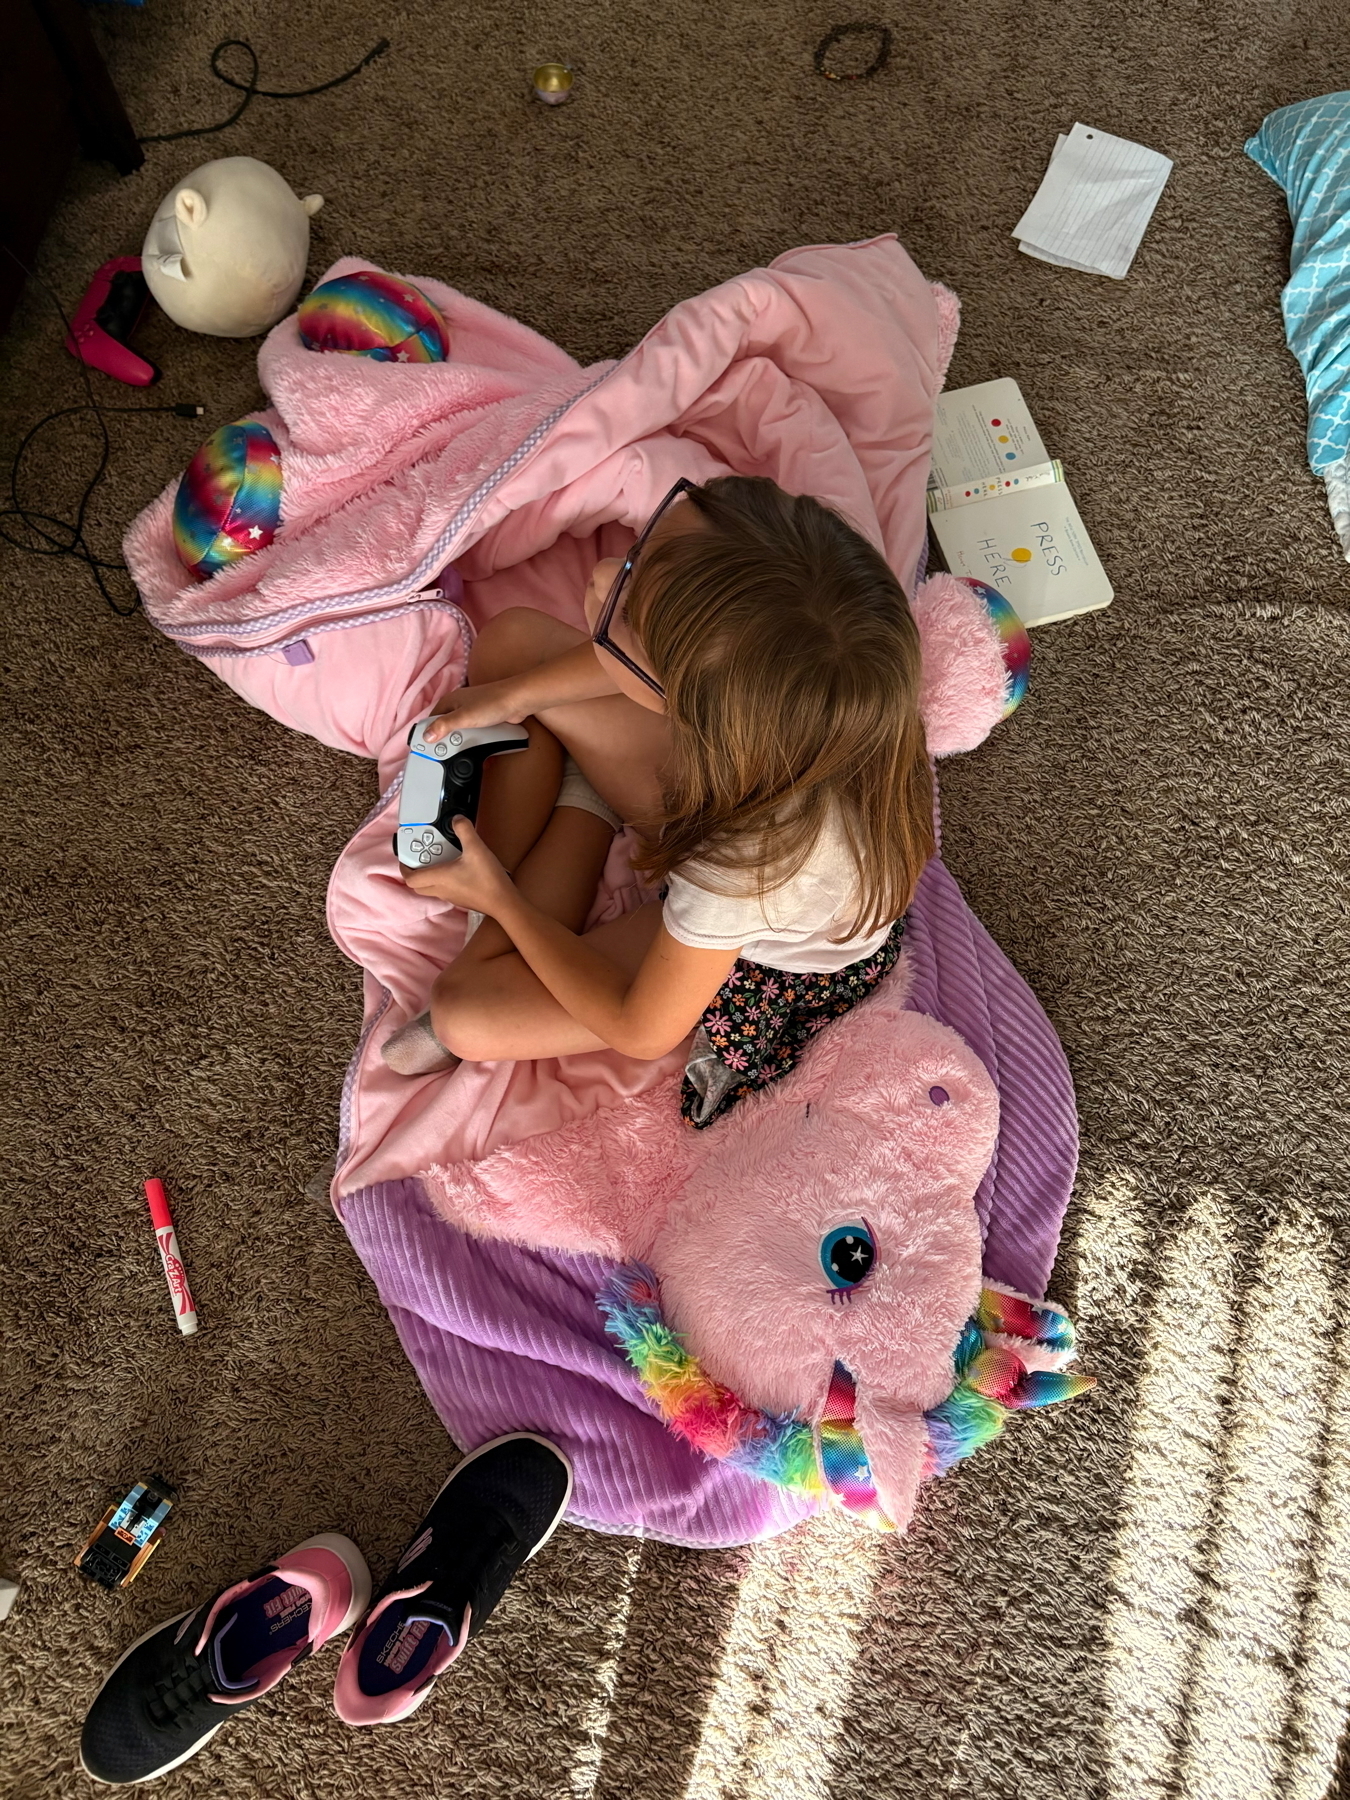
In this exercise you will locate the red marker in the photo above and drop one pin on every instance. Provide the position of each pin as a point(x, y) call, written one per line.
point(174, 1272)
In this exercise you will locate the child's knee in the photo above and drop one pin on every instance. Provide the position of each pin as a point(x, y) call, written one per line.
point(513, 640)
point(461, 1013)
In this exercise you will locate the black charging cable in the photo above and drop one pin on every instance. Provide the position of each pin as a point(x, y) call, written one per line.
point(251, 91)
point(67, 537)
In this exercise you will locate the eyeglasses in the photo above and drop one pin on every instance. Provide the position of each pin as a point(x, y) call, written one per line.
point(600, 636)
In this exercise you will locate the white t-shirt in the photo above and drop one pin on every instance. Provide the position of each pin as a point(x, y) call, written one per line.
point(792, 927)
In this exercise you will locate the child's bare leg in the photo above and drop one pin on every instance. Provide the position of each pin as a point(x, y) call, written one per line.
point(556, 853)
point(559, 873)
point(500, 1009)
point(519, 790)
point(619, 746)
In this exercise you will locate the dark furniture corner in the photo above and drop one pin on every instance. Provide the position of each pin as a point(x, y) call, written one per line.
point(56, 99)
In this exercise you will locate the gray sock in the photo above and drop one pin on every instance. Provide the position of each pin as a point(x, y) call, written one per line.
point(416, 1050)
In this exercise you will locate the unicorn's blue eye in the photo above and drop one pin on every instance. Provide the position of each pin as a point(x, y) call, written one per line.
point(847, 1254)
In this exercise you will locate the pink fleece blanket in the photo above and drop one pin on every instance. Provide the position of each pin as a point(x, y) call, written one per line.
point(414, 494)
point(420, 500)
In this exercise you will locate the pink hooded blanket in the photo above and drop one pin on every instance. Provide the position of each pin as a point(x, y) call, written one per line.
point(418, 500)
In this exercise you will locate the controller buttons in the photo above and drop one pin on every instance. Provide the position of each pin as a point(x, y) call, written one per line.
point(441, 748)
point(438, 849)
point(456, 737)
point(461, 768)
point(424, 858)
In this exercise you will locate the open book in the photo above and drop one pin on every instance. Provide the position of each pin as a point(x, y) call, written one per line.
point(1001, 511)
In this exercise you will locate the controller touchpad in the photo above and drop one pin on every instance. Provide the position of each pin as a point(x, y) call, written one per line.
point(420, 800)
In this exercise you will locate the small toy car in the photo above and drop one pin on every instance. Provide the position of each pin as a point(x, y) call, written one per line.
point(127, 1535)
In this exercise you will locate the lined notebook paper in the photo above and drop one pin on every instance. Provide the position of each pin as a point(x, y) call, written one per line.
point(1094, 204)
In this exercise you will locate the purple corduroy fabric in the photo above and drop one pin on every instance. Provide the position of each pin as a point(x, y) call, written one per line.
point(509, 1339)
point(961, 977)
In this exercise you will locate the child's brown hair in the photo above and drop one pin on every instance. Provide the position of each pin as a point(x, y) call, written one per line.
point(791, 666)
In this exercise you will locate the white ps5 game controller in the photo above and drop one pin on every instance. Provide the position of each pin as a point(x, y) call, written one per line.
point(441, 780)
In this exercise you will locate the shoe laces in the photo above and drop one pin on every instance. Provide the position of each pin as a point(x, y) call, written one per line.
point(181, 1688)
point(492, 1546)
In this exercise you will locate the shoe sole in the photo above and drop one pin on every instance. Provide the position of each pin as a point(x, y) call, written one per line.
point(510, 1437)
point(355, 1564)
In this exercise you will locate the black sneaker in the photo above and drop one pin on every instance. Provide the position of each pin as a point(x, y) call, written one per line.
point(180, 1682)
point(500, 1505)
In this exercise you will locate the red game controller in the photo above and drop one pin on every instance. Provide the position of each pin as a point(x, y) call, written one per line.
point(107, 316)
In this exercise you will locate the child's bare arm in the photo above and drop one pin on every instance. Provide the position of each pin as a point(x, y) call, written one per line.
point(575, 675)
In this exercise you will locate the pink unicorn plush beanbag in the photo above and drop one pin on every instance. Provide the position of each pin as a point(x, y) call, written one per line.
point(820, 1241)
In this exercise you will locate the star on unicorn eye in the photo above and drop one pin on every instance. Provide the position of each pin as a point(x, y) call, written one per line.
point(848, 1255)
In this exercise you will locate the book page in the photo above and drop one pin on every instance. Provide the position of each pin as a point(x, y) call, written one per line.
point(1030, 545)
point(983, 431)
point(968, 492)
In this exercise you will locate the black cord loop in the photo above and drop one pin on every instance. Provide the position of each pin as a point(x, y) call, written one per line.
point(66, 537)
point(251, 91)
point(858, 28)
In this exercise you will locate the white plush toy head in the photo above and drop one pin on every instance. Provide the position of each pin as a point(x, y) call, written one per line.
point(226, 251)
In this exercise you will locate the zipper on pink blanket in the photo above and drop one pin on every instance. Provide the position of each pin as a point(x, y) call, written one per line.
point(288, 633)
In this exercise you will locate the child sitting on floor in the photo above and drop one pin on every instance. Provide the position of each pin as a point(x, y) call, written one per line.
point(748, 701)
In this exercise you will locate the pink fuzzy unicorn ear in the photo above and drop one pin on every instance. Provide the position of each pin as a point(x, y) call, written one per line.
point(975, 655)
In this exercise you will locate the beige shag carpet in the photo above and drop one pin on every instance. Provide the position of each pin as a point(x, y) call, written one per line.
point(1142, 1595)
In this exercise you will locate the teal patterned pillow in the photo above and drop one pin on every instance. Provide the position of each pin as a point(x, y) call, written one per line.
point(1306, 148)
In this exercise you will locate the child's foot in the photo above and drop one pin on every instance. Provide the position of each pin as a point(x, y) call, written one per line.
point(499, 1506)
point(416, 1050)
point(176, 1686)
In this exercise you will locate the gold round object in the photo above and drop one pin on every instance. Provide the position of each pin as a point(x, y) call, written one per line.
point(553, 83)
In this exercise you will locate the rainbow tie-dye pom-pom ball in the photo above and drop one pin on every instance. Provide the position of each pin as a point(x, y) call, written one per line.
point(1013, 640)
point(228, 503)
point(375, 315)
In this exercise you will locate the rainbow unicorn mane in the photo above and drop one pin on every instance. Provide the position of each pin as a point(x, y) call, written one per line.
point(993, 1381)
point(778, 1447)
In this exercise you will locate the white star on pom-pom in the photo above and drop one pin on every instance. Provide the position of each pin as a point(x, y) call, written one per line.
point(403, 356)
point(255, 531)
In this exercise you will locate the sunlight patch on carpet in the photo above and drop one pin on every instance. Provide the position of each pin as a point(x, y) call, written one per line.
point(1228, 1623)
point(594, 1721)
point(783, 1677)
point(1242, 1689)
point(1156, 1582)
point(1111, 1252)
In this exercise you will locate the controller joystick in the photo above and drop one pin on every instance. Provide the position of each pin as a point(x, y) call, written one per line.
point(106, 317)
point(441, 780)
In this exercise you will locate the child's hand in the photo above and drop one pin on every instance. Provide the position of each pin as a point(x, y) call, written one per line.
point(476, 880)
point(491, 703)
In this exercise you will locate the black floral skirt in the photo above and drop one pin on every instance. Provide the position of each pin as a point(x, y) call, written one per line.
point(760, 1022)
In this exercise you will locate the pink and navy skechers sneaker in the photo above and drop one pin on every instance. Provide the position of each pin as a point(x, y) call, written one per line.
point(182, 1681)
point(500, 1505)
